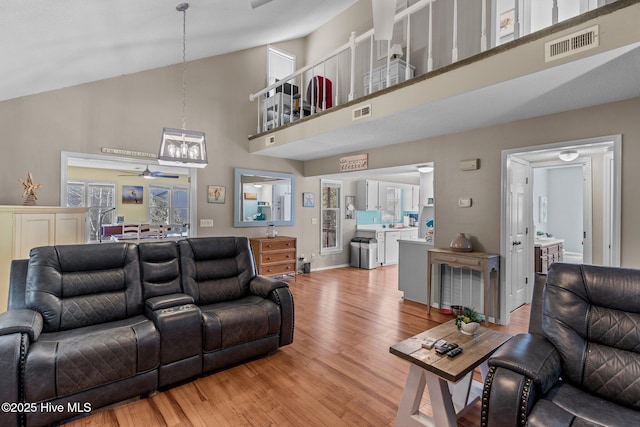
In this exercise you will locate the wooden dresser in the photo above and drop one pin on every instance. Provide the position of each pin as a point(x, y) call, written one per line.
point(274, 257)
point(547, 252)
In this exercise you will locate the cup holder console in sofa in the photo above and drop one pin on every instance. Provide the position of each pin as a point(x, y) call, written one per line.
point(91, 325)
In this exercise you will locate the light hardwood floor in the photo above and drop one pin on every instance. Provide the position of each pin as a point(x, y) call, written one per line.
point(337, 372)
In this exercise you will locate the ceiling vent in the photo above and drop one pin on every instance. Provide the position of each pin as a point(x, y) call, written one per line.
point(361, 112)
point(573, 43)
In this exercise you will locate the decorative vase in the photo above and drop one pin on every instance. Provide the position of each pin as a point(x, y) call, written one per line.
point(469, 328)
point(460, 243)
point(272, 233)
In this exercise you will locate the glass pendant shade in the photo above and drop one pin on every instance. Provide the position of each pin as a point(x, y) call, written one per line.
point(183, 148)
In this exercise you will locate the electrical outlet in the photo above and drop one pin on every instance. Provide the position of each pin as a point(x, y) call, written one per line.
point(206, 223)
point(314, 221)
point(464, 202)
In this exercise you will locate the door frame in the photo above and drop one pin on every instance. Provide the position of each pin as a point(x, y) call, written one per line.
point(616, 213)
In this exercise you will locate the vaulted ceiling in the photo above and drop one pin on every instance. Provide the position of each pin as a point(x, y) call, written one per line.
point(47, 45)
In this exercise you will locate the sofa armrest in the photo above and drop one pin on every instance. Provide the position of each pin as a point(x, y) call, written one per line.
point(22, 321)
point(166, 301)
point(532, 356)
point(263, 285)
point(522, 370)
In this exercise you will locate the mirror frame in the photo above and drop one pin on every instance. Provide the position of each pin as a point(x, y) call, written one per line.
point(237, 208)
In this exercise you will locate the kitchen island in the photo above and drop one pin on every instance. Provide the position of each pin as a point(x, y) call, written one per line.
point(412, 269)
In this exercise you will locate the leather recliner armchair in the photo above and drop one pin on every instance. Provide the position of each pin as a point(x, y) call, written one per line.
point(579, 365)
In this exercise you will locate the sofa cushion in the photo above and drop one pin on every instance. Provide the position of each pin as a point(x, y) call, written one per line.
point(216, 269)
point(235, 322)
point(79, 359)
point(596, 331)
point(73, 286)
point(566, 405)
point(160, 268)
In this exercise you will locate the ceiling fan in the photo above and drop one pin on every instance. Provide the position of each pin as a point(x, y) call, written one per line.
point(147, 174)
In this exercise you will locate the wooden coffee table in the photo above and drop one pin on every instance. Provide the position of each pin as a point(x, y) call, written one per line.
point(452, 389)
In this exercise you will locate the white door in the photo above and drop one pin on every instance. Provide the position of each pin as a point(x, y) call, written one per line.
point(518, 253)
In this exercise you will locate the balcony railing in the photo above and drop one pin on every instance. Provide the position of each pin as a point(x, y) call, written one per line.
point(428, 35)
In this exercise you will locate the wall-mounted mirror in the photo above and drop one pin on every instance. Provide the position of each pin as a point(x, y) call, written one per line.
point(263, 197)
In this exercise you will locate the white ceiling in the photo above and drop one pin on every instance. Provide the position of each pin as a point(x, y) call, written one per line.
point(47, 44)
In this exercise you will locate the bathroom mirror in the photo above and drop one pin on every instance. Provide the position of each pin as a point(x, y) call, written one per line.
point(263, 197)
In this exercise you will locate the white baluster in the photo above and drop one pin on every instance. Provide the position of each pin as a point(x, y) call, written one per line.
point(337, 85)
point(352, 46)
point(483, 37)
point(454, 51)
point(407, 71)
point(430, 49)
point(388, 63)
point(324, 85)
point(371, 66)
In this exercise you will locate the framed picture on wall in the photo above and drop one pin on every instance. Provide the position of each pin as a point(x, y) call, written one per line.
point(349, 207)
point(215, 194)
point(308, 200)
point(132, 194)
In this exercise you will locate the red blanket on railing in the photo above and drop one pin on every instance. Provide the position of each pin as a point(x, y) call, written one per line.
point(319, 91)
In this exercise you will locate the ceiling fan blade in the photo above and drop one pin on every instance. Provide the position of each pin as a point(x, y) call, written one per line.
point(161, 175)
point(257, 3)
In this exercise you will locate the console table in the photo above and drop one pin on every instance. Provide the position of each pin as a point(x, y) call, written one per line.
point(483, 262)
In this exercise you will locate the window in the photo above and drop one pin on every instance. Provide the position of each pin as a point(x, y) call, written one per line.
point(168, 204)
point(331, 216)
point(99, 197)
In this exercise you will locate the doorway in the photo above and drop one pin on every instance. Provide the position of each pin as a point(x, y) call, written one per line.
point(597, 168)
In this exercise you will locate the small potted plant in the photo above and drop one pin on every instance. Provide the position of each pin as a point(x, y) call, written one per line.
point(468, 321)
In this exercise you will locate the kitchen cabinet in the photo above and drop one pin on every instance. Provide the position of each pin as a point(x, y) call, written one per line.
point(391, 247)
point(25, 227)
point(546, 253)
point(367, 195)
point(411, 198)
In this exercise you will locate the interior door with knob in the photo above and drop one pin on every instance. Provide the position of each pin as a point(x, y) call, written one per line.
point(518, 283)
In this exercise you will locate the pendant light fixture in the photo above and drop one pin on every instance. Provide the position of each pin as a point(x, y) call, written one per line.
point(183, 147)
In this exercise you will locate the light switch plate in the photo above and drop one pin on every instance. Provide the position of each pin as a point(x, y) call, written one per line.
point(464, 202)
point(206, 223)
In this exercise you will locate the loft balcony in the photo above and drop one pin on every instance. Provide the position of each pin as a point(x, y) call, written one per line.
point(463, 67)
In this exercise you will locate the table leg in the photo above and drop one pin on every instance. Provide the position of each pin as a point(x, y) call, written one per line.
point(409, 409)
point(429, 284)
point(444, 412)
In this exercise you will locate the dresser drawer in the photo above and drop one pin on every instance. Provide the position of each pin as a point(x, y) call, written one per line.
point(277, 245)
point(269, 258)
point(271, 270)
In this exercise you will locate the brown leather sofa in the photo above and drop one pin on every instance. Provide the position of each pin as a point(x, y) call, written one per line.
point(91, 325)
point(579, 365)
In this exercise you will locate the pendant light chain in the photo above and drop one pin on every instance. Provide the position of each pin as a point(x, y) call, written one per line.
point(184, 67)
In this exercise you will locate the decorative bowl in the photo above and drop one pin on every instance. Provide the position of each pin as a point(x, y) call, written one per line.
point(469, 328)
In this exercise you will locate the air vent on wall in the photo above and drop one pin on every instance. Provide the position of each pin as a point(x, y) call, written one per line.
point(269, 140)
point(573, 43)
point(361, 112)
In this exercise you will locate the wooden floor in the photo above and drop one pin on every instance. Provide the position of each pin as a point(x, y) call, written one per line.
point(337, 372)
